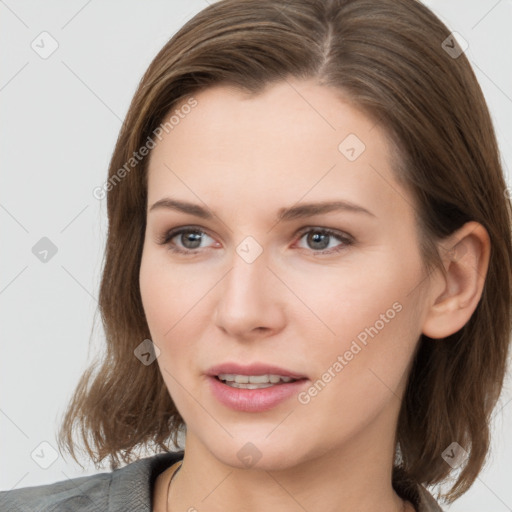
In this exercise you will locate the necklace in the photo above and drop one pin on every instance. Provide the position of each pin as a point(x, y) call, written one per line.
point(169, 486)
point(404, 506)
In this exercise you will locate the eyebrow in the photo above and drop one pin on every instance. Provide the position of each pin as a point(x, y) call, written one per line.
point(284, 214)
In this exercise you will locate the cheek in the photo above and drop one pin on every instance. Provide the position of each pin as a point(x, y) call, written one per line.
point(363, 372)
point(175, 307)
point(167, 294)
point(341, 303)
point(156, 302)
point(165, 307)
point(369, 325)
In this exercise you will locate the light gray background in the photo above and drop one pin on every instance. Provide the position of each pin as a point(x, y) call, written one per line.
point(60, 120)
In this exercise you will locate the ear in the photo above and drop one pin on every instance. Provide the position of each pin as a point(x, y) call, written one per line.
point(454, 297)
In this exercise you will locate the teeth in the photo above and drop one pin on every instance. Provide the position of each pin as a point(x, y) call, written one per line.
point(230, 378)
point(248, 386)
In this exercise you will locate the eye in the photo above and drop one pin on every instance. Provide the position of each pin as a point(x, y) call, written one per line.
point(188, 240)
point(320, 240)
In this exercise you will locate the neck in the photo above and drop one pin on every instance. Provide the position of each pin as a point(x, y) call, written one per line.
point(346, 478)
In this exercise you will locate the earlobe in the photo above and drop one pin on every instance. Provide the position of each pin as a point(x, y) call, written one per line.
point(465, 256)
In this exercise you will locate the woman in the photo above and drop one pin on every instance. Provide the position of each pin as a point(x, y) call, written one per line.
point(307, 270)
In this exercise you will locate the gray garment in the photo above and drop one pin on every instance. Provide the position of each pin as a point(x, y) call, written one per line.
point(127, 489)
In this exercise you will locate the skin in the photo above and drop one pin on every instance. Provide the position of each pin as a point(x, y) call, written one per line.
point(245, 157)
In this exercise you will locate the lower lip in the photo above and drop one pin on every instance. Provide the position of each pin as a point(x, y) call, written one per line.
point(254, 400)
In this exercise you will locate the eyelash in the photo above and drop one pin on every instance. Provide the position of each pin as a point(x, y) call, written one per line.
point(345, 239)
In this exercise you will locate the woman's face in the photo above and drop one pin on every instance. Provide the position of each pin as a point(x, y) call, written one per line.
point(332, 296)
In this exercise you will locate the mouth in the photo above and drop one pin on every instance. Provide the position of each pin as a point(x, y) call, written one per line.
point(254, 388)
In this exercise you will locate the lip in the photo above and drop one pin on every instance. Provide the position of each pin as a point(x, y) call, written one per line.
point(253, 400)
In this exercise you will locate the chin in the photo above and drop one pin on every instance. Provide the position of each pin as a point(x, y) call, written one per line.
point(256, 452)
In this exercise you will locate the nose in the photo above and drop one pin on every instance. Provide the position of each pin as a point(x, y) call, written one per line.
point(251, 300)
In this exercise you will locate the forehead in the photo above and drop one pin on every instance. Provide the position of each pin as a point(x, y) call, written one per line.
point(294, 140)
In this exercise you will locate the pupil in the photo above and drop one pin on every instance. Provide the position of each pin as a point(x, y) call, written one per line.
point(316, 237)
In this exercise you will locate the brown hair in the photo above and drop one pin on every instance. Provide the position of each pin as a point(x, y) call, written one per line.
point(388, 58)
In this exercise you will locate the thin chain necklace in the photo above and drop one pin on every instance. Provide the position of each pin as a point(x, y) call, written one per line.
point(169, 487)
point(404, 506)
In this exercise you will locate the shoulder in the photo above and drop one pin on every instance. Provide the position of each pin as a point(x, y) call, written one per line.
point(126, 488)
point(82, 493)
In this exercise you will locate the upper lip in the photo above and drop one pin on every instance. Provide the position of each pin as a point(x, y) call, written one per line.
point(252, 369)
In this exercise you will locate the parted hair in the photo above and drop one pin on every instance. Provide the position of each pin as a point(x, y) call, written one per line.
point(400, 65)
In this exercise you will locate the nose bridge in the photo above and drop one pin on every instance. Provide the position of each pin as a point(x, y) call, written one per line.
point(249, 296)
